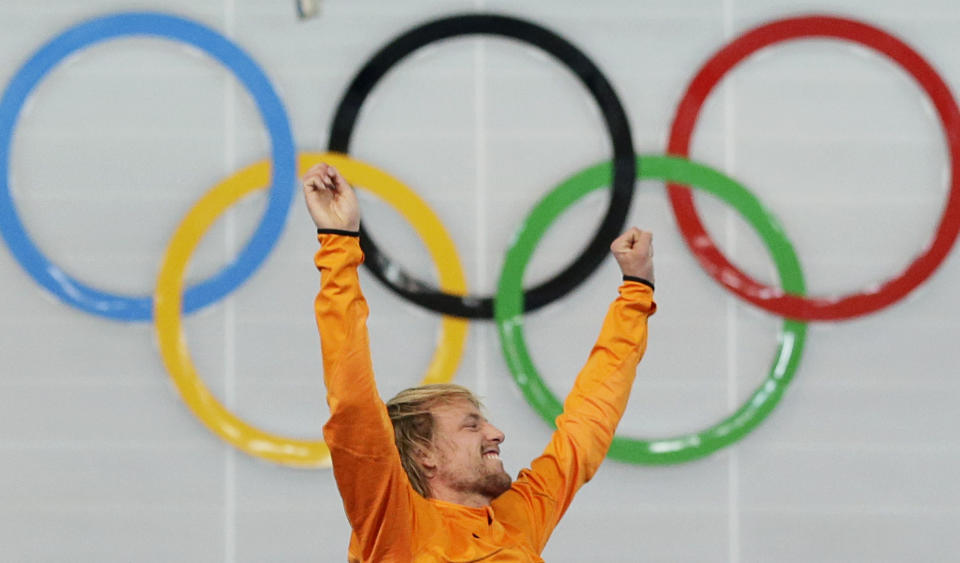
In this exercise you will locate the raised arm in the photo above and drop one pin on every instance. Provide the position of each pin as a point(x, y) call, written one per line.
point(359, 433)
point(340, 306)
point(592, 410)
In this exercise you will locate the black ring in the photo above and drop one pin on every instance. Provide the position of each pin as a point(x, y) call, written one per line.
point(624, 159)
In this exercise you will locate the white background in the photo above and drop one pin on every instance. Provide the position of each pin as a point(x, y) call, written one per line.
point(101, 461)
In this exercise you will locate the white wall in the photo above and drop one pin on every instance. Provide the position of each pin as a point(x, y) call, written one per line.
point(101, 461)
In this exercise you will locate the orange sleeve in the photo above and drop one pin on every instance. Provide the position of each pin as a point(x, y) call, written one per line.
point(366, 464)
point(585, 429)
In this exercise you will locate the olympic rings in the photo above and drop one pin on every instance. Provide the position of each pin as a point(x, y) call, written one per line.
point(511, 299)
point(592, 78)
point(508, 308)
point(119, 307)
point(774, 300)
point(172, 342)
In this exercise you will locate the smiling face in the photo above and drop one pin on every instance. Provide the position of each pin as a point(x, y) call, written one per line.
point(464, 464)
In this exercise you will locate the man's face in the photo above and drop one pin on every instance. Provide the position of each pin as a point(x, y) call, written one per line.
point(467, 451)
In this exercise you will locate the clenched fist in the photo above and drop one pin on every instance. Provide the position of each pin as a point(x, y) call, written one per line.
point(330, 199)
point(634, 253)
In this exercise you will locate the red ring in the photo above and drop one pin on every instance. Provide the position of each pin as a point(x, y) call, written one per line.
point(773, 299)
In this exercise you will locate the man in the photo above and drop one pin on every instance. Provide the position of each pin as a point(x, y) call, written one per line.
point(421, 479)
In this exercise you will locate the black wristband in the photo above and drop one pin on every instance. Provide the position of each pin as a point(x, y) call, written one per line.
point(647, 283)
point(338, 232)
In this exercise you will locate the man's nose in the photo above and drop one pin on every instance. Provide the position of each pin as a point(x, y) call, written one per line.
point(494, 434)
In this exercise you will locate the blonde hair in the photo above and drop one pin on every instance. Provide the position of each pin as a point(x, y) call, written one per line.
point(413, 424)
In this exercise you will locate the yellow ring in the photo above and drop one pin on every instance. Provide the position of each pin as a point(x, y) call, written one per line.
point(169, 292)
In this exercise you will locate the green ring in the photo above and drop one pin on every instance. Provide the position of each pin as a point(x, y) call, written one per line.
point(508, 307)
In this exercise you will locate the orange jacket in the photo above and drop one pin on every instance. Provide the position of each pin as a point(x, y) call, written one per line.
point(391, 522)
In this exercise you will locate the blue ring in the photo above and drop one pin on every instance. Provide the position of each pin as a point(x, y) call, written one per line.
point(283, 179)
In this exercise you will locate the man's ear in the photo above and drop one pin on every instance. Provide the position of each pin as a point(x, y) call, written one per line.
point(428, 458)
